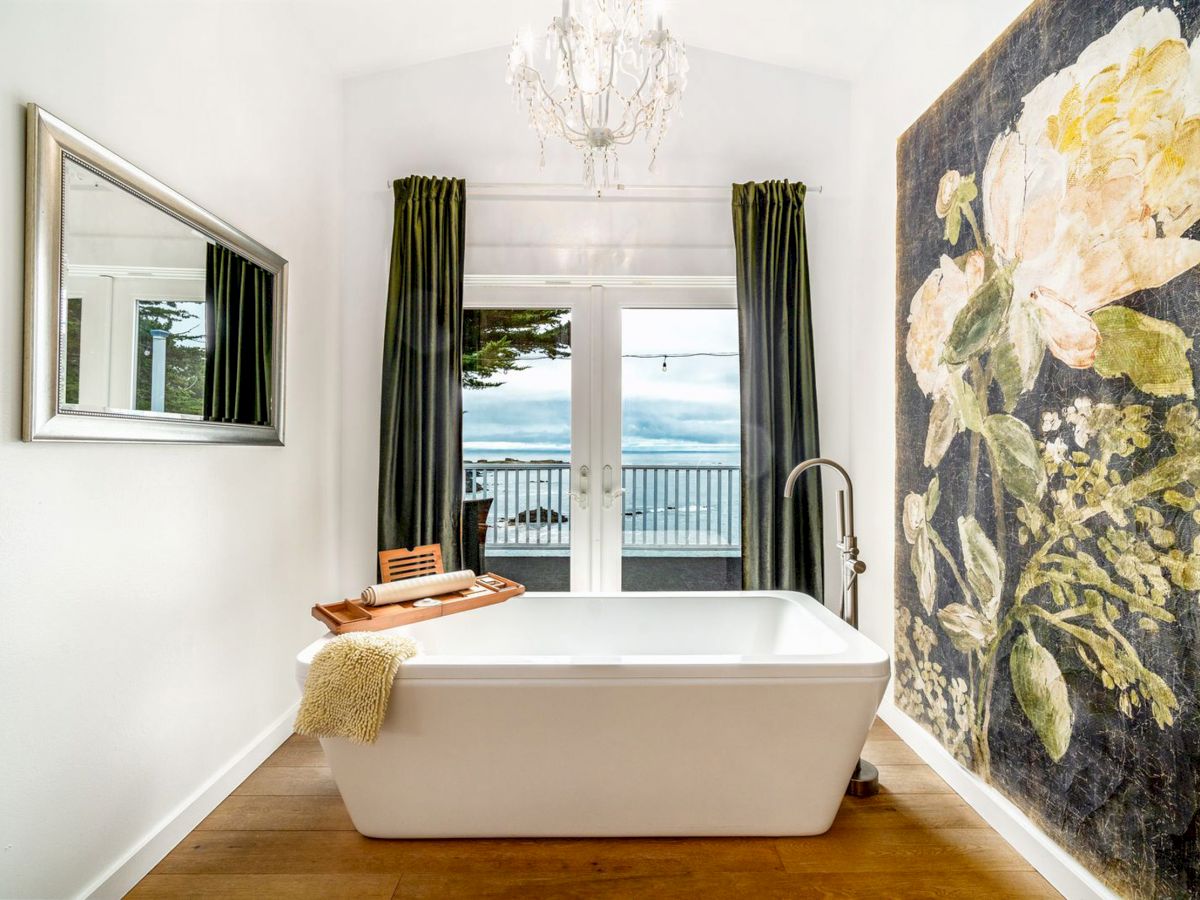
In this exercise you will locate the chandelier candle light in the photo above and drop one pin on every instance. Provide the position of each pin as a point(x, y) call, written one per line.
point(616, 75)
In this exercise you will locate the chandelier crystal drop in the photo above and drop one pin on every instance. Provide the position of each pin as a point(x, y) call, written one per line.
point(614, 75)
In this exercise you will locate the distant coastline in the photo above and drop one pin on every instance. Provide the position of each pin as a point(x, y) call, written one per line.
point(714, 456)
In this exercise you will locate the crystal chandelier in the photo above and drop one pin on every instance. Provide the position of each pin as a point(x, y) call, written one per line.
point(615, 75)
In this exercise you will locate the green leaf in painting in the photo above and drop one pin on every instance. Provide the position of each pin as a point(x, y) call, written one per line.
point(1008, 372)
point(953, 224)
point(1025, 332)
point(1153, 353)
point(968, 631)
point(966, 403)
point(977, 323)
point(925, 571)
point(985, 571)
point(944, 424)
point(1042, 692)
point(1016, 457)
point(932, 496)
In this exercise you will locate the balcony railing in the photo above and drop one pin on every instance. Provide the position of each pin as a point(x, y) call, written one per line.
point(664, 507)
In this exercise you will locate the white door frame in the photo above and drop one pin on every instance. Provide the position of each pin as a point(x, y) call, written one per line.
point(610, 524)
point(596, 304)
point(577, 299)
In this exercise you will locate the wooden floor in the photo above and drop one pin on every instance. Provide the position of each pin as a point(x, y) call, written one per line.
point(285, 833)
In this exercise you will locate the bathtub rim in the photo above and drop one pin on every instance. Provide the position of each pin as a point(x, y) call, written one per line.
point(861, 659)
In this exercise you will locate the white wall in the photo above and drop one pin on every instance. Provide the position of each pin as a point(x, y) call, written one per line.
point(456, 117)
point(152, 597)
point(905, 76)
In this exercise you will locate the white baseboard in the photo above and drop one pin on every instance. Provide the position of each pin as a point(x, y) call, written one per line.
point(127, 872)
point(1062, 870)
point(1058, 867)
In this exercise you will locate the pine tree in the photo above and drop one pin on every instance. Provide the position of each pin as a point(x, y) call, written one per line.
point(497, 341)
point(184, 388)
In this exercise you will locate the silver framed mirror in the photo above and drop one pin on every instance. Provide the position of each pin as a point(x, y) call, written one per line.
point(147, 318)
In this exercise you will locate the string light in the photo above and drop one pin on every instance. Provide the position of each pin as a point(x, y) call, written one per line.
point(663, 356)
point(533, 356)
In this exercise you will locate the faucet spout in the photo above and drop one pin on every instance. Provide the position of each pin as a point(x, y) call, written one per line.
point(847, 543)
point(845, 510)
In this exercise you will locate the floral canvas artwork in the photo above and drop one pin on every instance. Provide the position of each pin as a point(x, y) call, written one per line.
point(1048, 453)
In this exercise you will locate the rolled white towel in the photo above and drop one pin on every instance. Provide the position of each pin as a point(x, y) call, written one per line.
point(415, 588)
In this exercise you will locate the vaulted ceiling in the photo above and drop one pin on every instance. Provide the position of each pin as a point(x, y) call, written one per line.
point(828, 37)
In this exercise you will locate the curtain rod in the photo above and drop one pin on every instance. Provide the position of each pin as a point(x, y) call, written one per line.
point(498, 190)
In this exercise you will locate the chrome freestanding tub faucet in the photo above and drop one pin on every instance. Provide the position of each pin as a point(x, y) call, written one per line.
point(865, 780)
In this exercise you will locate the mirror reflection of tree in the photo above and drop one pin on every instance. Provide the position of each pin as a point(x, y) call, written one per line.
point(185, 355)
point(71, 362)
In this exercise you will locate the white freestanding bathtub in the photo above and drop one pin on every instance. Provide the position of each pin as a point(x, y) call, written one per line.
point(617, 715)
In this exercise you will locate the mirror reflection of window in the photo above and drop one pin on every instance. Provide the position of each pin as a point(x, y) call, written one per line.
point(158, 319)
point(170, 357)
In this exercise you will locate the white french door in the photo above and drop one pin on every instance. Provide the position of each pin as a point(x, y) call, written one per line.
point(575, 523)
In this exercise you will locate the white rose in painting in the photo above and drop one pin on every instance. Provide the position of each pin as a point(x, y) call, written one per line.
point(1089, 196)
point(947, 191)
point(931, 316)
point(914, 516)
point(1070, 336)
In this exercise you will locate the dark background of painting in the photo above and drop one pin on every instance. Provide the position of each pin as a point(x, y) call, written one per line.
point(1124, 798)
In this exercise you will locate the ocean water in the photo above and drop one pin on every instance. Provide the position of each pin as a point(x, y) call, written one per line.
point(690, 506)
point(720, 456)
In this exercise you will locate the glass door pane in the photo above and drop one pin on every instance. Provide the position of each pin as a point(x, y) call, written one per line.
point(517, 438)
point(680, 450)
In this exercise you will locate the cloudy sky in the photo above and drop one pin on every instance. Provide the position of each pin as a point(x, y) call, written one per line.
point(691, 407)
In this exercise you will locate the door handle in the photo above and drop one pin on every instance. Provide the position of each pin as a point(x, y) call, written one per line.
point(581, 496)
point(607, 487)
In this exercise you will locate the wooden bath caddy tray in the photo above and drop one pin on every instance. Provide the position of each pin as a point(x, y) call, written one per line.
point(398, 565)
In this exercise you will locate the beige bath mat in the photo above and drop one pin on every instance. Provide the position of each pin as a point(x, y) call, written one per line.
point(349, 683)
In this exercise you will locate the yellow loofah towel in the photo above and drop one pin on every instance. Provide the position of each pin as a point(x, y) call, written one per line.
point(348, 685)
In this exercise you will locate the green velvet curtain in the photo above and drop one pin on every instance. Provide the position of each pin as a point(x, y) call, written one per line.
point(239, 323)
point(420, 433)
point(781, 538)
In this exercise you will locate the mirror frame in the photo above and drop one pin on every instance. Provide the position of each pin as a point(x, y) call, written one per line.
point(49, 143)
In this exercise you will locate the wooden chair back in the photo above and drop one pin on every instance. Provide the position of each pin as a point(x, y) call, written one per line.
point(396, 565)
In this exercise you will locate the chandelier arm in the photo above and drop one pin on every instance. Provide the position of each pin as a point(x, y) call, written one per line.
point(635, 116)
point(639, 117)
point(638, 110)
point(662, 55)
point(611, 84)
point(625, 123)
point(548, 104)
point(637, 94)
point(565, 45)
point(629, 72)
point(582, 95)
